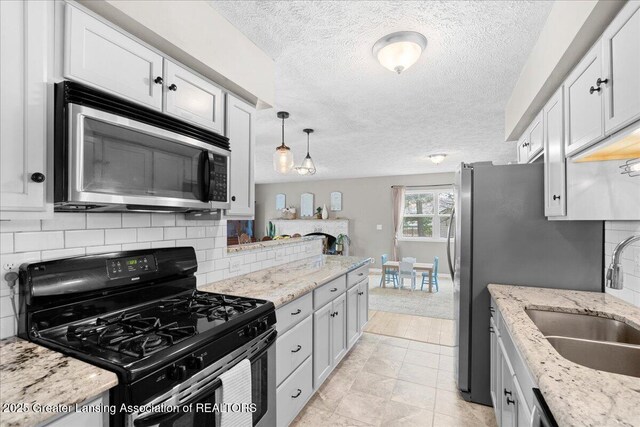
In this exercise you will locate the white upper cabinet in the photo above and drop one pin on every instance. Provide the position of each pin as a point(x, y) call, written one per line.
point(240, 131)
point(192, 98)
point(621, 68)
point(103, 57)
point(584, 106)
point(535, 138)
point(24, 71)
point(523, 148)
point(555, 192)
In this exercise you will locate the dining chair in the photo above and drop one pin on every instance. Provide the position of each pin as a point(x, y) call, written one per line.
point(434, 276)
point(406, 271)
point(388, 274)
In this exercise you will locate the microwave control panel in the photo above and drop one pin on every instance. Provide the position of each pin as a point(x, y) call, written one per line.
point(218, 191)
point(118, 268)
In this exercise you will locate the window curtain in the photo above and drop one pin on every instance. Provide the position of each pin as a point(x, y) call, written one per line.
point(397, 202)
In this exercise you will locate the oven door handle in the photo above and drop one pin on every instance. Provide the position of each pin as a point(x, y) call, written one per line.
point(169, 416)
point(205, 175)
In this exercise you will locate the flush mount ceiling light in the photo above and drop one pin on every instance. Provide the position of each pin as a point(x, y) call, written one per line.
point(283, 157)
point(437, 158)
point(307, 167)
point(399, 51)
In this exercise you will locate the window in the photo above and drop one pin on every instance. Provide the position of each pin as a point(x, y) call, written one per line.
point(427, 214)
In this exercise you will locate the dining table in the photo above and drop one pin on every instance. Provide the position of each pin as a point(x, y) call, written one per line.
point(417, 266)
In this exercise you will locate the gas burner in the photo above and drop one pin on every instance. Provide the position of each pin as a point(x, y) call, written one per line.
point(143, 345)
point(223, 312)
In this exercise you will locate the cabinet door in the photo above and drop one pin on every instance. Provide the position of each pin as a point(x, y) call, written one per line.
point(621, 54)
point(363, 304)
point(190, 97)
point(583, 103)
point(103, 57)
point(508, 411)
point(495, 368)
point(24, 52)
point(353, 324)
point(535, 137)
point(240, 131)
point(339, 329)
point(523, 148)
point(322, 355)
point(555, 191)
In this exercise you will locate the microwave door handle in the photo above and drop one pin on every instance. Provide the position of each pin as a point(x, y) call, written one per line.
point(204, 175)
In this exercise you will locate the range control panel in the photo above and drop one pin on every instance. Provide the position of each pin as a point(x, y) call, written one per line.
point(131, 266)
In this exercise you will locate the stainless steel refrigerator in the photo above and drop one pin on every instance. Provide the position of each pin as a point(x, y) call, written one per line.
point(502, 236)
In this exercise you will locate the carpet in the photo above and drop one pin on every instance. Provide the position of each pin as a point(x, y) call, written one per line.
point(419, 303)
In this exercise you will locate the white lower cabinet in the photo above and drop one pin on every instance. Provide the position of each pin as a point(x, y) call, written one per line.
point(89, 418)
point(322, 352)
point(363, 304)
point(293, 393)
point(339, 329)
point(293, 348)
point(352, 316)
point(511, 382)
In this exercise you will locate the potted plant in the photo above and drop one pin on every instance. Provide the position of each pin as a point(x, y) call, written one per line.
point(341, 239)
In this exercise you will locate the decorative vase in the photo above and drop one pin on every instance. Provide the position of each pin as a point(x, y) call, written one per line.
point(325, 212)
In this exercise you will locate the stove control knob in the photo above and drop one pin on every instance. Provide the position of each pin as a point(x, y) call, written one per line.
point(252, 331)
point(196, 362)
point(263, 325)
point(178, 372)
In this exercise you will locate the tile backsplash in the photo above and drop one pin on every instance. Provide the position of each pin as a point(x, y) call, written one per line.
point(615, 232)
point(73, 234)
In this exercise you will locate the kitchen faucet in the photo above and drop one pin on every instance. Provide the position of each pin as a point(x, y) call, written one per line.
point(614, 272)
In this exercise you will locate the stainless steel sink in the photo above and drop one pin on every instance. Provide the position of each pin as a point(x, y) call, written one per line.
point(595, 342)
point(617, 358)
point(584, 326)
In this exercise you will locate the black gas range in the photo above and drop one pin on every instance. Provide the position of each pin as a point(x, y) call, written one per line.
point(138, 314)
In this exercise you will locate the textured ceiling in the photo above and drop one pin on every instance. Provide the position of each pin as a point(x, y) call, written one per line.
point(368, 120)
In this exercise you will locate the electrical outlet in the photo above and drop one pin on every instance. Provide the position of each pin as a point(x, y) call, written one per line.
point(379, 227)
point(9, 266)
point(234, 264)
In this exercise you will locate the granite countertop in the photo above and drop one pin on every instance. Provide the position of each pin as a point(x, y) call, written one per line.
point(34, 375)
point(576, 395)
point(270, 243)
point(287, 282)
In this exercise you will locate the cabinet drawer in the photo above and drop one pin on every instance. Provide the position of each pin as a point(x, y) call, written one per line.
point(291, 314)
point(357, 275)
point(294, 393)
point(293, 348)
point(328, 292)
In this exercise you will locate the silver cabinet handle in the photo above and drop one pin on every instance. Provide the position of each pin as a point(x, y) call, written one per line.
point(451, 219)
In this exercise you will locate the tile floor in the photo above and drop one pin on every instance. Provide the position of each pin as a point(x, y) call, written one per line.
point(389, 381)
point(417, 328)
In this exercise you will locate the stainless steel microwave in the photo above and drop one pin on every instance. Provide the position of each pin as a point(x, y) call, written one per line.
point(111, 155)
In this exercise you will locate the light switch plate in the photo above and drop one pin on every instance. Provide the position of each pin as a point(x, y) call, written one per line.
point(379, 227)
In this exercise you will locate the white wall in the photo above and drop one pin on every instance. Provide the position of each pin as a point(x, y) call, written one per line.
point(74, 234)
point(366, 202)
point(614, 233)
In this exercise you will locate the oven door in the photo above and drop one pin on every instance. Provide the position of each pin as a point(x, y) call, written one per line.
point(194, 395)
point(115, 160)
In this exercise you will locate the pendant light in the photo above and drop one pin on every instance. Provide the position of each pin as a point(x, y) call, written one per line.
point(283, 157)
point(307, 167)
point(399, 51)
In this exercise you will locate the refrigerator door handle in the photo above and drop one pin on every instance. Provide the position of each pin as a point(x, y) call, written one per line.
point(451, 222)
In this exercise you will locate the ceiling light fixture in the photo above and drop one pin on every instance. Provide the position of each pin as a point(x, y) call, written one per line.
point(399, 51)
point(307, 167)
point(437, 158)
point(283, 157)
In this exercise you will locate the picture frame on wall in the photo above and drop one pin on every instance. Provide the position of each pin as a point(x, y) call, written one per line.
point(336, 201)
point(281, 201)
point(306, 205)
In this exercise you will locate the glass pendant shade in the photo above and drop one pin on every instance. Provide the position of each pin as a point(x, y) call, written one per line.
point(283, 160)
point(399, 51)
point(307, 167)
point(283, 157)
